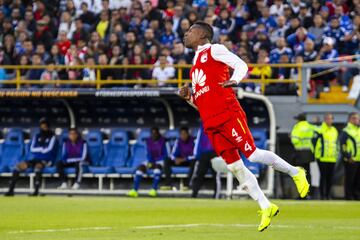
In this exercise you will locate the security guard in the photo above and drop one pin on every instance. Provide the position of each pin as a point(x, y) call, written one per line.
point(301, 138)
point(350, 152)
point(326, 153)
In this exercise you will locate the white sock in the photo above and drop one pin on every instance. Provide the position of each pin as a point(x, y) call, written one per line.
point(249, 183)
point(271, 159)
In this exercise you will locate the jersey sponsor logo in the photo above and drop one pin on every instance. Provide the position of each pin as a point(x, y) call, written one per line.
point(199, 78)
point(204, 58)
point(201, 92)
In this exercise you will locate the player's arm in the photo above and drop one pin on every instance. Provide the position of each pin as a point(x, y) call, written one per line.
point(185, 93)
point(346, 155)
point(220, 53)
point(148, 154)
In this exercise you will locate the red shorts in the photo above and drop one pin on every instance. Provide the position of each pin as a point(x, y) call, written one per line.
point(230, 135)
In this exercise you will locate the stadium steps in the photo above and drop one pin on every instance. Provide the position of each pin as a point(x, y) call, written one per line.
point(335, 96)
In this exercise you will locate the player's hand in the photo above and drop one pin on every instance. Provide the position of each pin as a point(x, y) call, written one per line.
point(230, 83)
point(178, 161)
point(185, 92)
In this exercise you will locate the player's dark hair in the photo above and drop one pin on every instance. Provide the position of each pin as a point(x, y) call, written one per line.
point(74, 129)
point(351, 115)
point(209, 32)
point(186, 129)
point(156, 129)
point(44, 121)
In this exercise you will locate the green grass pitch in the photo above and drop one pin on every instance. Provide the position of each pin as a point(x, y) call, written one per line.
point(107, 218)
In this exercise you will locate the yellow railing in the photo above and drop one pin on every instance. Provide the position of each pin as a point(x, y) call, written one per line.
point(179, 80)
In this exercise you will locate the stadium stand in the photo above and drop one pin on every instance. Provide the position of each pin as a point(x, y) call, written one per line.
point(68, 33)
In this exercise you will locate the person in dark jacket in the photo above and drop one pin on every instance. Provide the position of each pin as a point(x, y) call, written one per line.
point(43, 151)
point(74, 154)
point(349, 145)
point(43, 35)
point(181, 155)
point(204, 153)
point(157, 153)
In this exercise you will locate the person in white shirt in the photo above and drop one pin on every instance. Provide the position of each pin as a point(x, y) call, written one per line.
point(280, 30)
point(163, 72)
point(277, 9)
point(67, 25)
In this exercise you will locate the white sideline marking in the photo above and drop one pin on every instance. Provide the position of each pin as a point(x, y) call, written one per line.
point(196, 225)
point(241, 226)
point(315, 203)
point(61, 230)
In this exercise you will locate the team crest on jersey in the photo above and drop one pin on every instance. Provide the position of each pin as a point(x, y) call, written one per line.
point(204, 58)
point(199, 78)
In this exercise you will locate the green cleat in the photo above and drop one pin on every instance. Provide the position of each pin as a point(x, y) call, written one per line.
point(132, 193)
point(301, 182)
point(153, 193)
point(267, 215)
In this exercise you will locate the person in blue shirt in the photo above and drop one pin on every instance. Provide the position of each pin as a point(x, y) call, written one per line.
point(309, 53)
point(204, 153)
point(3, 75)
point(168, 37)
point(345, 20)
point(157, 153)
point(181, 155)
point(35, 74)
point(327, 53)
point(266, 19)
point(335, 31)
point(74, 154)
point(199, 3)
point(281, 49)
point(225, 22)
point(43, 151)
point(296, 40)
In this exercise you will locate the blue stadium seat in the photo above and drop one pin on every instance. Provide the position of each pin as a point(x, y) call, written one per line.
point(194, 132)
point(61, 139)
point(0, 154)
point(138, 154)
point(171, 136)
point(94, 140)
point(64, 135)
point(12, 150)
point(28, 154)
point(180, 170)
point(260, 139)
point(117, 150)
point(96, 152)
point(49, 170)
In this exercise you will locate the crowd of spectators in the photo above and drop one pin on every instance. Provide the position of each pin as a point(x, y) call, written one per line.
point(113, 32)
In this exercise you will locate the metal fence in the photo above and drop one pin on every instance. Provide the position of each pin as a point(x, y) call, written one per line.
point(20, 82)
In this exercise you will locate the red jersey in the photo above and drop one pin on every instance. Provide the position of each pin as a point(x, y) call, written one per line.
point(210, 68)
point(64, 46)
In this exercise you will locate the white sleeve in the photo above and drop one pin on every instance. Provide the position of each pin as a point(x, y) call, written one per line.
point(222, 54)
point(155, 73)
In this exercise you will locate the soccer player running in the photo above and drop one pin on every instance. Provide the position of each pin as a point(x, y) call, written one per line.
point(225, 121)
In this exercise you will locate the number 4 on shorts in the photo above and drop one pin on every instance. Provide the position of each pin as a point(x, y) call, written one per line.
point(234, 133)
point(247, 147)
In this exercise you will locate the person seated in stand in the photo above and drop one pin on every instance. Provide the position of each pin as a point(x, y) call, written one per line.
point(43, 150)
point(157, 154)
point(181, 156)
point(74, 154)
